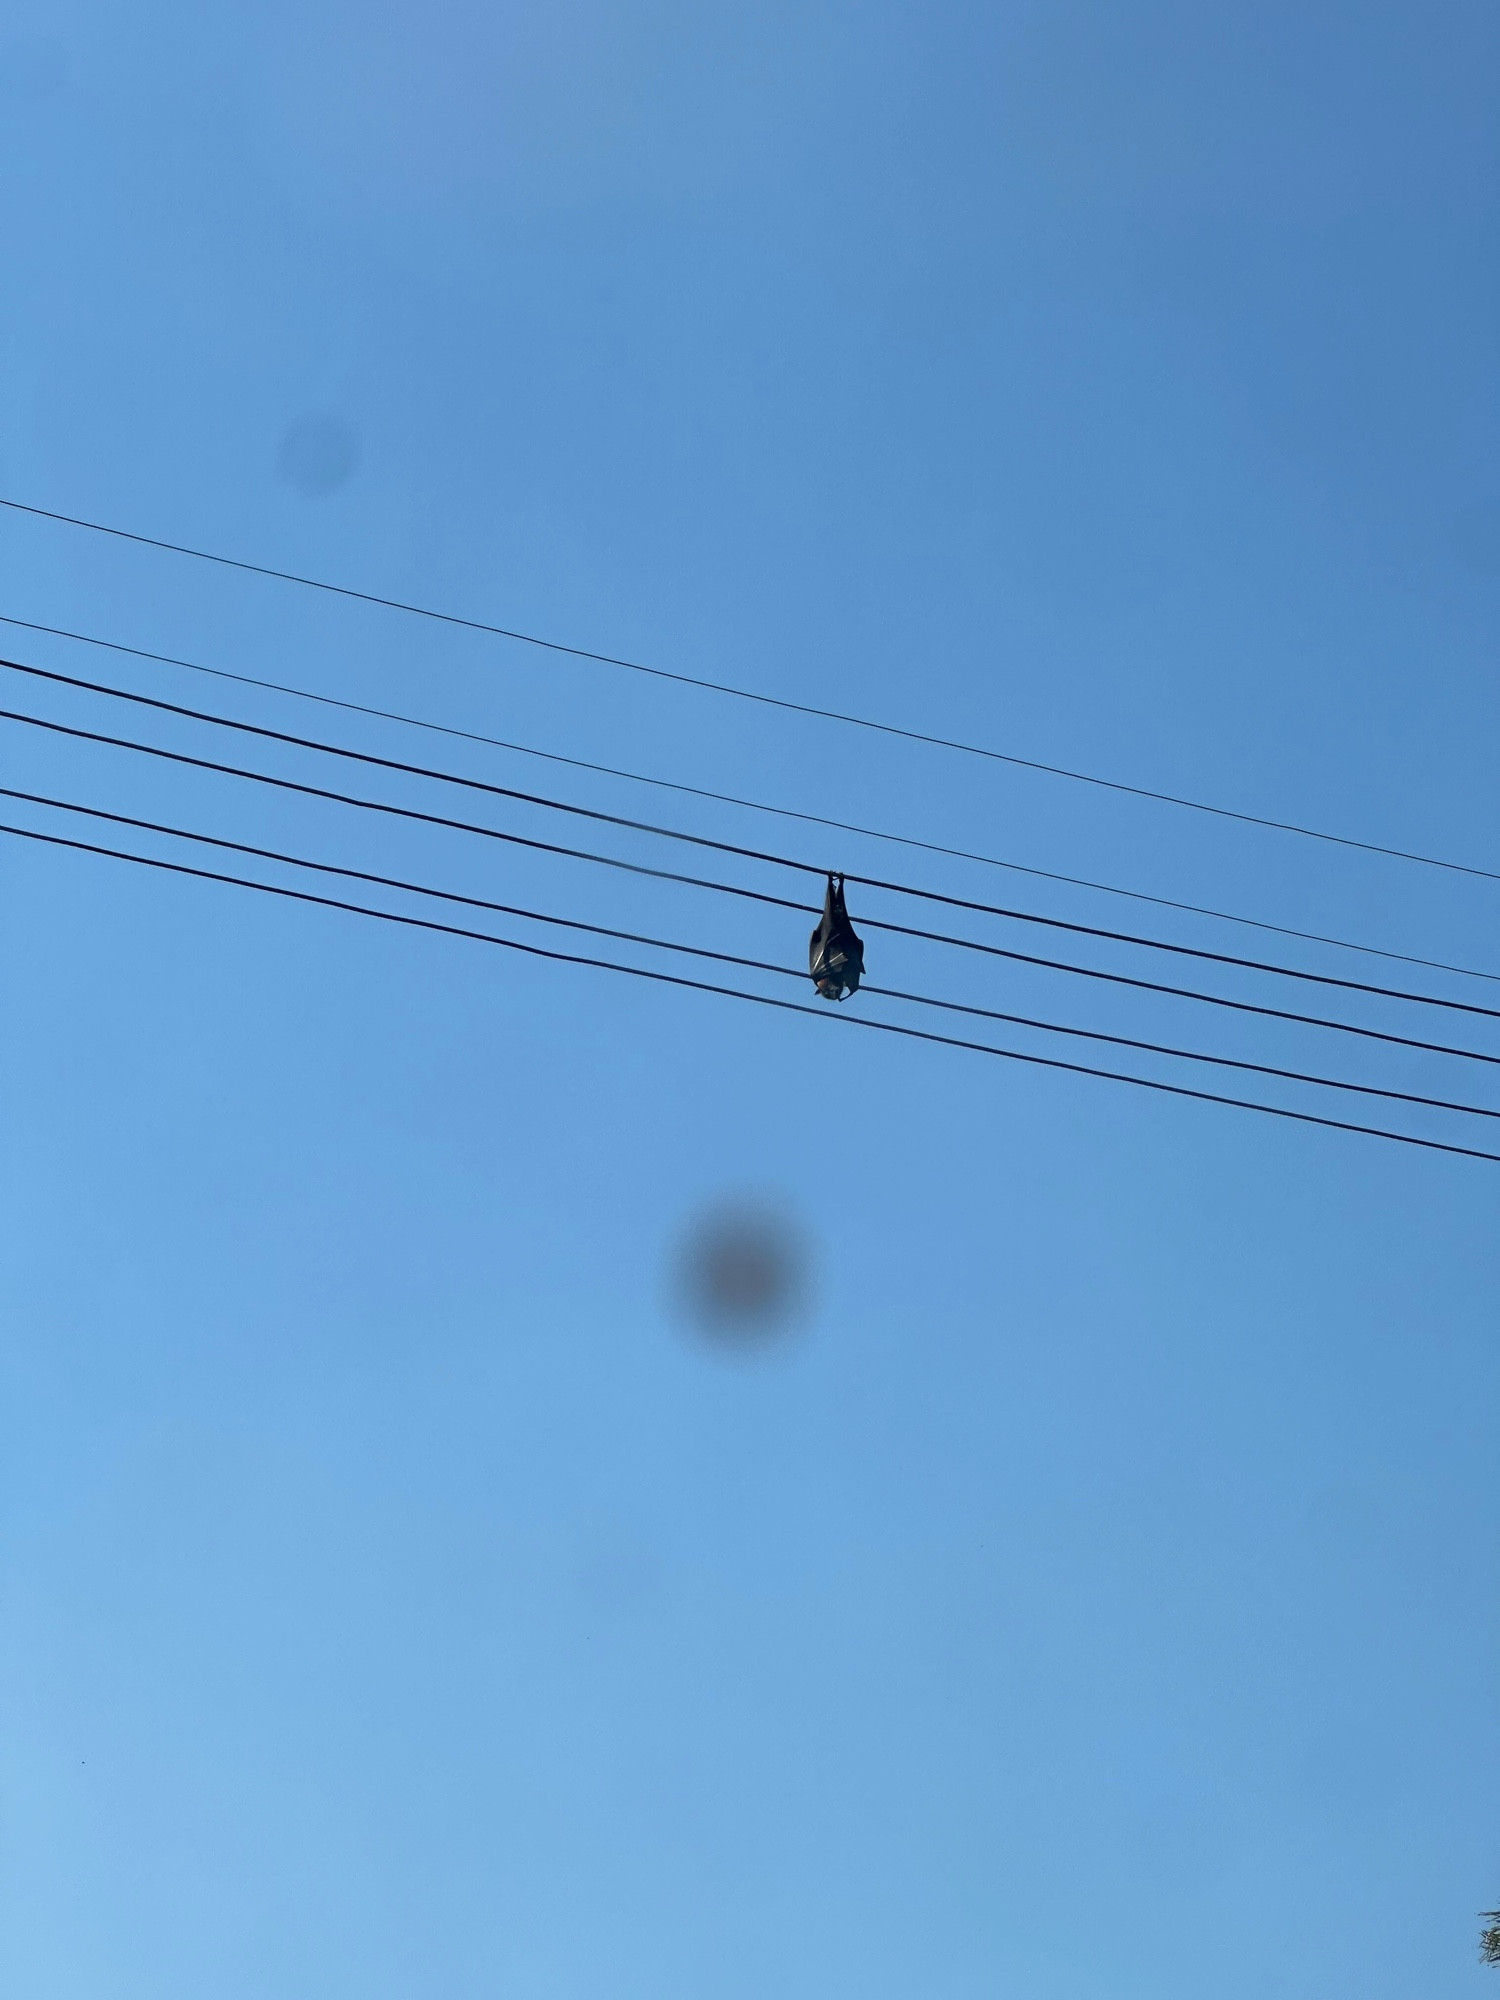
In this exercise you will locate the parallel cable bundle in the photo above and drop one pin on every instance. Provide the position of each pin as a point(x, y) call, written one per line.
point(512, 798)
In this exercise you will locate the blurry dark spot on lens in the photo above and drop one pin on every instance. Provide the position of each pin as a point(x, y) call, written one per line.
point(317, 454)
point(32, 67)
point(743, 1275)
point(1476, 537)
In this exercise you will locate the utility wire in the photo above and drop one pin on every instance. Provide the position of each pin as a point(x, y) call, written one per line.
point(750, 694)
point(756, 999)
point(732, 958)
point(749, 805)
point(730, 847)
point(734, 889)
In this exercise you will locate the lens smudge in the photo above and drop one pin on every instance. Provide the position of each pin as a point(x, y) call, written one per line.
point(742, 1274)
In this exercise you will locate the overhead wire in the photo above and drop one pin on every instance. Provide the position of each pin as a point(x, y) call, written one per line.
point(734, 889)
point(543, 801)
point(757, 999)
point(753, 695)
point(748, 805)
point(732, 958)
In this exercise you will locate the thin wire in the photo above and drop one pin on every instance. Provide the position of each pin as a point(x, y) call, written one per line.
point(755, 999)
point(732, 958)
point(750, 694)
point(749, 805)
point(730, 847)
point(734, 889)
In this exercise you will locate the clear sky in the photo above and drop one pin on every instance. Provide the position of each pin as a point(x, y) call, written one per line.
point(1098, 1597)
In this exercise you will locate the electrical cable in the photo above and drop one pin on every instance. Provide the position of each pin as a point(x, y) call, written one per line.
point(748, 805)
point(749, 694)
point(750, 895)
point(730, 847)
point(732, 958)
point(756, 999)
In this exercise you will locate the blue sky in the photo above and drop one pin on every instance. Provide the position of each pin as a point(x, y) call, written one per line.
point(1098, 1597)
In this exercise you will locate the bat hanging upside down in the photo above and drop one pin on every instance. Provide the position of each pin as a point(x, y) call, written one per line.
point(836, 956)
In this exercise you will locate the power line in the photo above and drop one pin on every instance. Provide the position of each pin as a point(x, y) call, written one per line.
point(549, 804)
point(748, 805)
point(732, 958)
point(735, 889)
point(750, 694)
point(756, 999)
